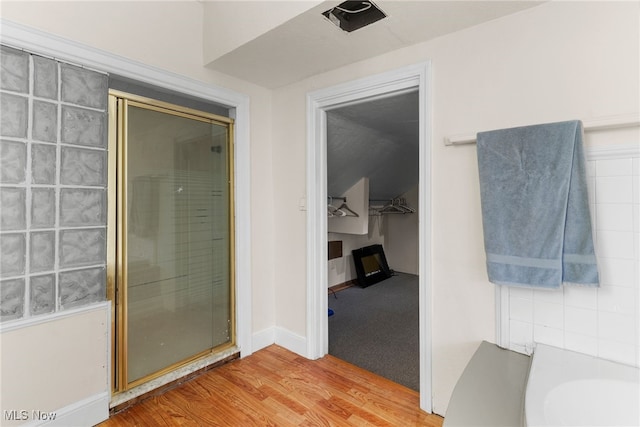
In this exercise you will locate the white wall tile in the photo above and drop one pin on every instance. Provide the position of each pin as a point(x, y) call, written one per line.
point(555, 296)
point(581, 343)
point(579, 296)
point(614, 216)
point(581, 321)
point(546, 335)
point(616, 351)
point(548, 314)
point(521, 309)
point(617, 327)
point(521, 334)
point(617, 272)
point(615, 244)
point(614, 189)
point(617, 299)
point(520, 292)
point(614, 167)
point(603, 322)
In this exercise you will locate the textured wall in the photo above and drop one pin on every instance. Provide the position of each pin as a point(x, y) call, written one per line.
point(53, 178)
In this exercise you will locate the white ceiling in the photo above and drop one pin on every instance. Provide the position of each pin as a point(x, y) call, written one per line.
point(309, 44)
point(377, 139)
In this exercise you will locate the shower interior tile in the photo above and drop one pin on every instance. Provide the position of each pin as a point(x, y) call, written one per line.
point(13, 162)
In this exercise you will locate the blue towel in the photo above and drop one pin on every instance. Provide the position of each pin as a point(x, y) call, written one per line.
point(535, 208)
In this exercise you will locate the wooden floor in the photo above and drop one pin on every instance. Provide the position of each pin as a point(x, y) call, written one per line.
point(275, 387)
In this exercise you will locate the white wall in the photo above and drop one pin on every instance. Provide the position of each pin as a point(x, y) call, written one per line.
point(59, 367)
point(401, 236)
point(557, 61)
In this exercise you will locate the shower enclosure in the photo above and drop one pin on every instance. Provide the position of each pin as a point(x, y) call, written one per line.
point(172, 269)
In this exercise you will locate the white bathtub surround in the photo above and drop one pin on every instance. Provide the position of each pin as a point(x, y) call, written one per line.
point(603, 322)
point(566, 388)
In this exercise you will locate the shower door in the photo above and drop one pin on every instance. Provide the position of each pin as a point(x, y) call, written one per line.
point(173, 257)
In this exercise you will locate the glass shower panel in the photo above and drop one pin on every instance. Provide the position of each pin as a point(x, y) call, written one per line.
point(177, 239)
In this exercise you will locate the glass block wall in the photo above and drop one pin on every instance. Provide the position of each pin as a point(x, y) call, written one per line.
point(53, 185)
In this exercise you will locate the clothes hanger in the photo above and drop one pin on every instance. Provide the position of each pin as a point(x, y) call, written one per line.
point(348, 210)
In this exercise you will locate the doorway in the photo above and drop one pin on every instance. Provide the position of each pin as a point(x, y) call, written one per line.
point(374, 321)
point(174, 269)
point(410, 78)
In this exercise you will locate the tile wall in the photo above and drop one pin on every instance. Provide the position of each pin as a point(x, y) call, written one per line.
point(603, 322)
point(53, 179)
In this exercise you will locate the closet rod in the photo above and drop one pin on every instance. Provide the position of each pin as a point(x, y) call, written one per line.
point(612, 122)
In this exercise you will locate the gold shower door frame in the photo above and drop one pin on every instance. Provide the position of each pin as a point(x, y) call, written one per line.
point(117, 272)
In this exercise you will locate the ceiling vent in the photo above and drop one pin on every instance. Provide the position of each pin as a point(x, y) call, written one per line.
point(353, 15)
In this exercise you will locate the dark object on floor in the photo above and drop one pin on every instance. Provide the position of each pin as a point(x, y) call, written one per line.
point(330, 312)
point(371, 265)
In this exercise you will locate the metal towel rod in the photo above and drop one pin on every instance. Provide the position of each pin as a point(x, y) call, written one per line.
point(612, 122)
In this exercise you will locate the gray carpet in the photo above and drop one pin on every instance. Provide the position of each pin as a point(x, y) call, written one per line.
point(376, 328)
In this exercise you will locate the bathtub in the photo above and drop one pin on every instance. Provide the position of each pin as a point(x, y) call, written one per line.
point(565, 388)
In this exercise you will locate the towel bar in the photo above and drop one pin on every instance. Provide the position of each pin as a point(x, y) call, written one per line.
point(612, 122)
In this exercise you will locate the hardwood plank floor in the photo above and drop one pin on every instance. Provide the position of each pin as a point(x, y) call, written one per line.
point(275, 387)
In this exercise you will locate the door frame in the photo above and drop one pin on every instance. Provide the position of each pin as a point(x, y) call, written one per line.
point(319, 102)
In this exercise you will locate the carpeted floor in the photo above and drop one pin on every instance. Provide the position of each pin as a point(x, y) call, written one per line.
point(376, 328)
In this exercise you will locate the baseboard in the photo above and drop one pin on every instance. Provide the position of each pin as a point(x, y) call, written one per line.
point(281, 337)
point(86, 412)
point(263, 339)
point(343, 285)
point(291, 341)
